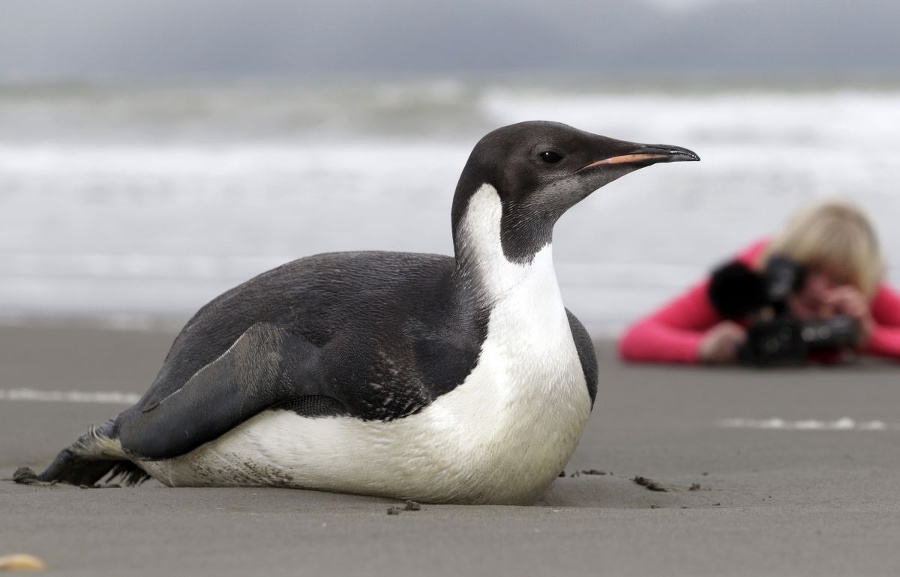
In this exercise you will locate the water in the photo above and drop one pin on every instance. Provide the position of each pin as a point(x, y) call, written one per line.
point(127, 205)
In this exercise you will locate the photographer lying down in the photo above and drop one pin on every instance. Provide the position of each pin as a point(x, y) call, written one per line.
point(813, 293)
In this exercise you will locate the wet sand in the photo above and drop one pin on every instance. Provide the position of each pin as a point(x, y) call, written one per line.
point(738, 501)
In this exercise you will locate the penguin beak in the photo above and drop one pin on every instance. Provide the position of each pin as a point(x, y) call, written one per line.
point(647, 154)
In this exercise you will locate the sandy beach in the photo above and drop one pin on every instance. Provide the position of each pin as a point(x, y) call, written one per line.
point(813, 493)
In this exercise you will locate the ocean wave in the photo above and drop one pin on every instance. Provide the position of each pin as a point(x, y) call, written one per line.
point(134, 200)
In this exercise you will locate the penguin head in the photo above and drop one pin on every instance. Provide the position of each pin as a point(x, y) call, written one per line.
point(541, 169)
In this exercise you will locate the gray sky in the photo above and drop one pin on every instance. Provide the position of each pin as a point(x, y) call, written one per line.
point(66, 39)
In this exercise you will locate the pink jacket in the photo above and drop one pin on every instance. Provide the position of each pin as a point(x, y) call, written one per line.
point(673, 333)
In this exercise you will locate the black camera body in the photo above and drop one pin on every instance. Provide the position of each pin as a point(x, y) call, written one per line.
point(786, 341)
point(774, 338)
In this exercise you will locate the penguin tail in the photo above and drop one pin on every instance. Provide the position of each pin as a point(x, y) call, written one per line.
point(95, 456)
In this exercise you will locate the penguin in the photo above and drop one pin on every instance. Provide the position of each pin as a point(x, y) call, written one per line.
point(442, 379)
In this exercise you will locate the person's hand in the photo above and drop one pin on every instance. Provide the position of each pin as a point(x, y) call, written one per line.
point(849, 300)
point(720, 343)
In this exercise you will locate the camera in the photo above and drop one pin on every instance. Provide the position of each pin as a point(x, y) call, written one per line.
point(786, 341)
point(774, 338)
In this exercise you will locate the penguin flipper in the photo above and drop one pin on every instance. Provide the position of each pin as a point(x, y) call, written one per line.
point(586, 353)
point(266, 367)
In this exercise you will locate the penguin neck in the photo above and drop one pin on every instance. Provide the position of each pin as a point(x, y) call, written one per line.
point(481, 260)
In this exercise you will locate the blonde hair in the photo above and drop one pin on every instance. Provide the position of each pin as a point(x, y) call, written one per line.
point(836, 238)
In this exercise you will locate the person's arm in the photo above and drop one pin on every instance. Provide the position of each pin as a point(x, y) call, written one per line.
point(884, 339)
point(674, 333)
point(688, 329)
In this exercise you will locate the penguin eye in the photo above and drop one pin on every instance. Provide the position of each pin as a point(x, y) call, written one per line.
point(550, 157)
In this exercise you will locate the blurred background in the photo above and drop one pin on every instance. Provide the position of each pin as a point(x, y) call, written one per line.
point(155, 154)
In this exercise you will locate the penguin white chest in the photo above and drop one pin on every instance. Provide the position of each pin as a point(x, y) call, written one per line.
point(528, 392)
point(507, 431)
point(520, 413)
point(526, 402)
